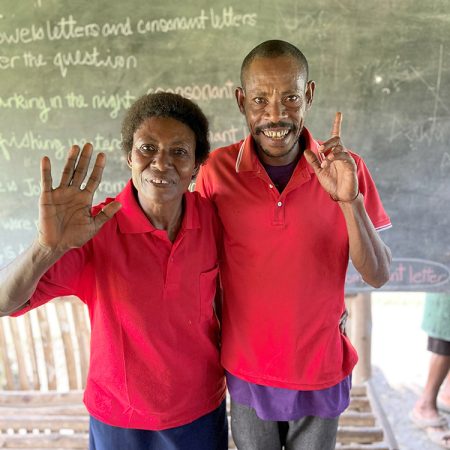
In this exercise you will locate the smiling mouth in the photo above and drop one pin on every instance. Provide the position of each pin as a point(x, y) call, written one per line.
point(277, 135)
point(159, 182)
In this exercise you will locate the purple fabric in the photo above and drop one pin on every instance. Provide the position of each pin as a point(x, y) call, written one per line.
point(278, 404)
point(280, 175)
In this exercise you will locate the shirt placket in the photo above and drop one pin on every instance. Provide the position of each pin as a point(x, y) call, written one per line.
point(277, 200)
point(172, 281)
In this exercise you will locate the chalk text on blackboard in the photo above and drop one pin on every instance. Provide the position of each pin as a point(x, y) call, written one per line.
point(92, 58)
point(228, 19)
point(113, 102)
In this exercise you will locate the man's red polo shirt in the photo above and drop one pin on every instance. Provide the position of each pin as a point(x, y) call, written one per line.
point(284, 263)
point(154, 345)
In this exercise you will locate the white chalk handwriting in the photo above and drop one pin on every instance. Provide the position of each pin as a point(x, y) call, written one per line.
point(406, 273)
point(205, 92)
point(113, 103)
point(92, 58)
point(56, 148)
point(65, 28)
point(225, 137)
point(71, 28)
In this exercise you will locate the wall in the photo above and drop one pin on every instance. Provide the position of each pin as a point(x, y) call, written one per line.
point(69, 70)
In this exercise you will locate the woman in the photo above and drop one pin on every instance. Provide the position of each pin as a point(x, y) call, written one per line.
point(145, 264)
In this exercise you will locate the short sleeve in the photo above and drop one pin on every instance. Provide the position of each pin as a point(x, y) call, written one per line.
point(372, 200)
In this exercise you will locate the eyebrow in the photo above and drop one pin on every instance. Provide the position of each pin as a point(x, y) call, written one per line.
point(264, 93)
point(151, 139)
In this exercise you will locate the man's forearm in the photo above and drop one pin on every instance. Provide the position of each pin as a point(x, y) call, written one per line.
point(19, 279)
point(369, 254)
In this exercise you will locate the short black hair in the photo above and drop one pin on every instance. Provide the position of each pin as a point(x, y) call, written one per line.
point(273, 49)
point(168, 105)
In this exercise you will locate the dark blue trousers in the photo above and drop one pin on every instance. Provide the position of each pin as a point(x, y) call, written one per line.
point(209, 432)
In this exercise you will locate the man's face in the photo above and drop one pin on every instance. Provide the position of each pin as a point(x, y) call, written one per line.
point(274, 99)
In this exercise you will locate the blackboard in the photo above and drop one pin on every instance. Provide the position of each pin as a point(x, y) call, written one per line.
point(69, 70)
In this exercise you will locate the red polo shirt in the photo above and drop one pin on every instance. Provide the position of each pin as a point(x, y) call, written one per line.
point(283, 273)
point(154, 345)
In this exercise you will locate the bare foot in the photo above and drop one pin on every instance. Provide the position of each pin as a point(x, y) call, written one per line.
point(444, 403)
point(428, 419)
point(424, 410)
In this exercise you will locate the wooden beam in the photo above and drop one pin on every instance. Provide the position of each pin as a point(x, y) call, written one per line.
point(360, 332)
point(359, 435)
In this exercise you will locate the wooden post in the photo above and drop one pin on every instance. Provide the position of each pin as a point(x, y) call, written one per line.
point(359, 330)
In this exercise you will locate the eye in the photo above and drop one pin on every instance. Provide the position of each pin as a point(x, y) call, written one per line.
point(292, 98)
point(147, 148)
point(180, 151)
point(259, 100)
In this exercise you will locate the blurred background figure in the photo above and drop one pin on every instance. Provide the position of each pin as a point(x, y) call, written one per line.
point(426, 414)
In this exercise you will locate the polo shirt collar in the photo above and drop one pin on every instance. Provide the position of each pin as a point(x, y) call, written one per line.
point(248, 161)
point(131, 218)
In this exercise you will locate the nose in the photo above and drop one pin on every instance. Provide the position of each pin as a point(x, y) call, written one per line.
point(161, 160)
point(275, 110)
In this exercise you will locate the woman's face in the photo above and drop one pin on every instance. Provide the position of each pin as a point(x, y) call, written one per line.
point(162, 161)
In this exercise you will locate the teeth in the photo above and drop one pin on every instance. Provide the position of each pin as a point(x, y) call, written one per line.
point(275, 134)
point(158, 181)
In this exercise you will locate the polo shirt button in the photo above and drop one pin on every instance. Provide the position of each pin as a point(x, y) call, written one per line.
point(271, 186)
point(280, 204)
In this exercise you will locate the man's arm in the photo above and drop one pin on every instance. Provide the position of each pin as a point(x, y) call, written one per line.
point(337, 173)
point(369, 254)
point(65, 222)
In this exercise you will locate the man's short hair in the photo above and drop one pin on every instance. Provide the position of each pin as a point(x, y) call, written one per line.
point(167, 105)
point(274, 49)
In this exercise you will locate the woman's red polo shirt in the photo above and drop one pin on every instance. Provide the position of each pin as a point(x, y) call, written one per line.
point(154, 360)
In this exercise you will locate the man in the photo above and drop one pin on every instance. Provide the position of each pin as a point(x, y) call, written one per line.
point(293, 211)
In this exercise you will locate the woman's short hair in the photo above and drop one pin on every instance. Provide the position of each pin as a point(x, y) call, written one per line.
point(167, 105)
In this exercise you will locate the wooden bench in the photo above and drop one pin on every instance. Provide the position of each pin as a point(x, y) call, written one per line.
point(44, 357)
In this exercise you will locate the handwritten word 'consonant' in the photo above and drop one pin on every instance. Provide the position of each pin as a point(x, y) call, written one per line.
point(204, 92)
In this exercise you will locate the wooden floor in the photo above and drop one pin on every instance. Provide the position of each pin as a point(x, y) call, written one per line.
point(43, 366)
point(50, 421)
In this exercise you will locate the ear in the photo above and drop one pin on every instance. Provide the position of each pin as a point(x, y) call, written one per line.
point(309, 93)
point(129, 159)
point(240, 97)
point(195, 172)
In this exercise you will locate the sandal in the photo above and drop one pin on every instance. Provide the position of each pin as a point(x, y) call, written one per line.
point(421, 422)
point(439, 437)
